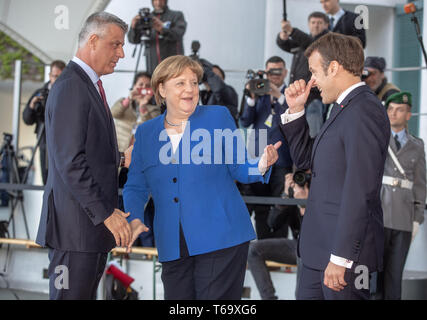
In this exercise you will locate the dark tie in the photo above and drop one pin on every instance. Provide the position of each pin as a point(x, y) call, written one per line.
point(396, 140)
point(331, 23)
point(334, 110)
point(104, 99)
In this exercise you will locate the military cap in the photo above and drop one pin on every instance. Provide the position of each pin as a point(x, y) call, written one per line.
point(403, 97)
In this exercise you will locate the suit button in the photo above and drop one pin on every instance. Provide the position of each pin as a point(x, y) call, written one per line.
point(176, 199)
point(313, 174)
point(174, 180)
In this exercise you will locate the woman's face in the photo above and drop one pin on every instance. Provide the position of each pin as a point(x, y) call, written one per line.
point(181, 93)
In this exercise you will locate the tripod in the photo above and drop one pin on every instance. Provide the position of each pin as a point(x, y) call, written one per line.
point(145, 41)
point(17, 197)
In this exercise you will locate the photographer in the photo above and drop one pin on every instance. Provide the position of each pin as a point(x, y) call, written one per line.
point(295, 41)
point(217, 92)
point(373, 75)
point(263, 112)
point(282, 250)
point(34, 112)
point(165, 35)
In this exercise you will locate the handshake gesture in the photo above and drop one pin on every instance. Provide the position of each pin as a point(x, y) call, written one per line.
point(124, 233)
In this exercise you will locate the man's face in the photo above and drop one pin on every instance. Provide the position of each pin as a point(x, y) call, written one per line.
point(323, 81)
point(374, 79)
point(399, 114)
point(277, 80)
point(54, 73)
point(330, 6)
point(108, 49)
point(159, 5)
point(317, 26)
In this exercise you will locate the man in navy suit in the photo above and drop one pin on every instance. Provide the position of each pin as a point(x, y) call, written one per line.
point(342, 230)
point(343, 21)
point(80, 223)
point(263, 113)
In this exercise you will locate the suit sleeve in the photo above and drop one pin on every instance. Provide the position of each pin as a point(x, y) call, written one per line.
point(248, 116)
point(235, 154)
point(66, 138)
point(286, 45)
point(419, 187)
point(297, 135)
point(136, 191)
point(365, 141)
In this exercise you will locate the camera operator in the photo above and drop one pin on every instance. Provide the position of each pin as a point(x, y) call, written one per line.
point(295, 41)
point(263, 112)
point(34, 112)
point(165, 35)
point(217, 92)
point(282, 250)
point(373, 75)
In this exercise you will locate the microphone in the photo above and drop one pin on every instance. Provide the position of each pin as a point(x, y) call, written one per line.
point(285, 13)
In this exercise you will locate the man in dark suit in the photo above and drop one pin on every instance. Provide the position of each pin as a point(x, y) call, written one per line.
point(343, 21)
point(342, 230)
point(79, 222)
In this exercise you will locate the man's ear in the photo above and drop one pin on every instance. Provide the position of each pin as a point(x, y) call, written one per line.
point(333, 68)
point(93, 41)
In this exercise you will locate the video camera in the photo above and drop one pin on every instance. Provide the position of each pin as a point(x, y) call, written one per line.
point(145, 23)
point(40, 105)
point(258, 85)
point(365, 74)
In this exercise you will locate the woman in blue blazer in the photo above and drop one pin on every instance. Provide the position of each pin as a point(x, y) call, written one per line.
point(188, 160)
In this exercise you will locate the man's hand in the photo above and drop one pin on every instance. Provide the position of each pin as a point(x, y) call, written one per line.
point(34, 101)
point(300, 192)
point(119, 227)
point(286, 27)
point(135, 21)
point(128, 156)
point(416, 226)
point(250, 92)
point(137, 228)
point(157, 24)
point(274, 91)
point(296, 95)
point(270, 156)
point(334, 277)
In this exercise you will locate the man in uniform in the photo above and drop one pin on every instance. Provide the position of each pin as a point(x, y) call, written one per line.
point(402, 196)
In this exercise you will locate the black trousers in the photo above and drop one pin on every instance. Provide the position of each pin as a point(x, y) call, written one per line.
point(273, 189)
point(217, 275)
point(311, 287)
point(396, 248)
point(75, 275)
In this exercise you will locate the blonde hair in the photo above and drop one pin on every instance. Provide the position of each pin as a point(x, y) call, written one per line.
point(170, 68)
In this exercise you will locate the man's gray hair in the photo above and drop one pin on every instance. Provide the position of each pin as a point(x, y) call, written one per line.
point(96, 24)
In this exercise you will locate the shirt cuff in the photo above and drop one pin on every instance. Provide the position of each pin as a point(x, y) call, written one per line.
point(288, 117)
point(281, 100)
point(343, 262)
point(250, 102)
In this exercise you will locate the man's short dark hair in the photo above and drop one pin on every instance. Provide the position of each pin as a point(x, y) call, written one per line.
point(220, 70)
point(58, 63)
point(275, 59)
point(346, 50)
point(140, 75)
point(319, 15)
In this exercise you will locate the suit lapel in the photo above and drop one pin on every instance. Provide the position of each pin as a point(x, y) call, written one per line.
point(344, 104)
point(99, 106)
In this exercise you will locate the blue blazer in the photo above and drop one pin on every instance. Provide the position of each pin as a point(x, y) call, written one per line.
point(82, 185)
point(257, 116)
point(203, 197)
point(343, 215)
